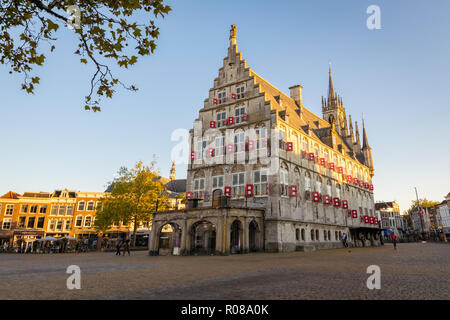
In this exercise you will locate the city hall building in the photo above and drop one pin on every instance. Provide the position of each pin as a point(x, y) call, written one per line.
point(267, 174)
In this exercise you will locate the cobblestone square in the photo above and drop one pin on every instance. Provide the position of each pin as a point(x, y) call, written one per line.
point(414, 271)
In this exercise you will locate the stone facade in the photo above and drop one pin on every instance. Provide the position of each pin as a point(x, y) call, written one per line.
point(263, 150)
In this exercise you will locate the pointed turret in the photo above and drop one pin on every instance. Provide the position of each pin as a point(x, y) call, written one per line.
point(173, 172)
point(351, 129)
point(358, 141)
point(365, 141)
point(367, 151)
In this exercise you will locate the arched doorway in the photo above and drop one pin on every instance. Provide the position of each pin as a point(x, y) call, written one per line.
point(203, 237)
point(169, 239)
point(253, 235)
point(236, 237)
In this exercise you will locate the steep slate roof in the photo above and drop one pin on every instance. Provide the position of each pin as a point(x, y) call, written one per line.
point(178, 185)
point(316, 123)
point(10, 195)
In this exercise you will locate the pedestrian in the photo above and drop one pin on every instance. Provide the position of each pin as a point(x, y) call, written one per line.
point(118, 245)
point(126, 246)
point(344, 240)
point(394, 241)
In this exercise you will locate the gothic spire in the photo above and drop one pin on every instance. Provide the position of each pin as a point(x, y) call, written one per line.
point(351, 127)
point(365, 141)
point(331, 93)
point(173, 172)
point(358, 141)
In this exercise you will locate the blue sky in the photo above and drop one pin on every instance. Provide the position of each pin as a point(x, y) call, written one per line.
point(397, 76)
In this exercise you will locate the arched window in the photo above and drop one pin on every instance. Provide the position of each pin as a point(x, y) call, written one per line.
point(335, 235)
point(325, 235)
point(303, 234)
point(312, 234)
point(317, 235)
point(329, 235)
point(297, 234)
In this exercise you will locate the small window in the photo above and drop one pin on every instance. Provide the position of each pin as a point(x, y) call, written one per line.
point(24, 208)
point(284, 181)
point(297, 234)
point(7, 224)
point(81, 206)
point(90, 206)
point(43, 209)
point(54, 210)
point(69, 211)
point(317, 235)
point(303, 234)
point(312, 234)
point(21, 223)
point(238, 185)
point(59, 225)
point(62, 210)
point(9, 210)
point(33, 209)
point(40, 222)
point(51, 225)
point(79, 221)
point(260, 182)
point(199, 188)
point(67, 226)
point(325, 235)
point(217, 182)
point(31, 222)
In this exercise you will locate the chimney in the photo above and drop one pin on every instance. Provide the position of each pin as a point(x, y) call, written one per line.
point(296, 94)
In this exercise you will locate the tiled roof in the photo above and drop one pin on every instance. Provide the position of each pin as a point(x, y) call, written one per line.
point(10, 195)
point(178, 185)
point(36, 195)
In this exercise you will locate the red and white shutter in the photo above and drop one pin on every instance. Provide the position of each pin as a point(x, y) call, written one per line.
point(249, 190)
point(311, 157)
point(293, 191)
point(215, 101)
point(230, 120)
point(227, 191)
point(288, 146)
point(340, 170)
point(336, 202)
point(251, 144)
point(332, 165)
point(212, 124)
point(354, 214)
point(245, 117)
point(344, 204)
point(349, 178)
point(371, 187)
point(316, 197)
point(188, 195)
point(192, 155)
point(326, 199)
point(233, 96)
point(230, 148)
point(211, 152)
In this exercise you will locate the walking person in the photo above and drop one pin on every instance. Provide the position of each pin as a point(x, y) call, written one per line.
point(394, 241)
point(118, 245)
point(344, 240)
point(126, 246)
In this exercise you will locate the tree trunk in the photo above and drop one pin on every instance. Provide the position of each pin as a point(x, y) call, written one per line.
point(134, 232)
